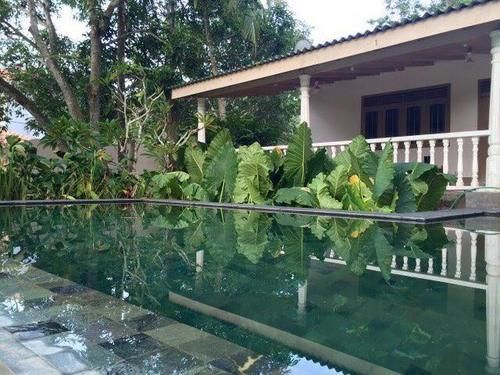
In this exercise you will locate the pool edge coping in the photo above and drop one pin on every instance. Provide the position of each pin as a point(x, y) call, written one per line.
point(423, 217)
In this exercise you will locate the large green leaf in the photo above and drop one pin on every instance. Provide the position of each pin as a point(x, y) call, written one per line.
point(252, 231)
point(385, 172)
point(220, 140)
point(404, 193)
point(296, 196)
point(220, 174)
point(337, 180)
point(194, 159)
point(298, 155)
point(320, 187)
point(252, 182)
point(365, 157)
point(320, 162)
point(436, 183)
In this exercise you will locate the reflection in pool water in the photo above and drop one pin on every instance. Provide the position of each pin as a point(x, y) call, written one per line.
point(301, 292)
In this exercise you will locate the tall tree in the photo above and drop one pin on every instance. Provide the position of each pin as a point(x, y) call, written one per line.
point(398, 10)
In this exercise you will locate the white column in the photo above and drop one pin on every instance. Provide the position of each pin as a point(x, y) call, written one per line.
point(492, 257)
point(202, 137)
point(493, 161)
point(302, 298)
point(305, 87)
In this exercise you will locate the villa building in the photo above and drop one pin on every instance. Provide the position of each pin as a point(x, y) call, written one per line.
point(431, 86)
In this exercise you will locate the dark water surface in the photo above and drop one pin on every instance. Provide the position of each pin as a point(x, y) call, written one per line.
point(281, 293)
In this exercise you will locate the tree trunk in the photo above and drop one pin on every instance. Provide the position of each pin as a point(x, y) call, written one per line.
point(25, 102)
point(51, 64)
point(221, 102)
point(95, 70)
point(120, 57)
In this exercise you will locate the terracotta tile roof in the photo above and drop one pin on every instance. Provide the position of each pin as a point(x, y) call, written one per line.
point(376, 30)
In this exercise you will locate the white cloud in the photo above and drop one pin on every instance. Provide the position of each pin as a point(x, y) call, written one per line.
point(331, 19)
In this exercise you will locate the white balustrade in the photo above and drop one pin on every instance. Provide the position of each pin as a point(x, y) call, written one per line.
point(407, 151)
point(475, 162)
point(458, 254)
point(444, 261)
point(430, 268)
point(420, 145)
point(395, 146)
point(473, 255)
point(446, 148)
point(463, 161)
point(460, 162)
point(432, 151)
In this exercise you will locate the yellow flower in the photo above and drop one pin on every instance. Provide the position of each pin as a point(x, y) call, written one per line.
point(355, 234)
point(354, 179)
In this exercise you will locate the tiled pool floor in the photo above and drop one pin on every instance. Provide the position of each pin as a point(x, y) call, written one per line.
point(49, 325)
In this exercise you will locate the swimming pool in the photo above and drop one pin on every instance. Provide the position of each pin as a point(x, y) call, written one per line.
point(156, 289)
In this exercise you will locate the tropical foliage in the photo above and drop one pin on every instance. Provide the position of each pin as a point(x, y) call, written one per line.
point(356, 179)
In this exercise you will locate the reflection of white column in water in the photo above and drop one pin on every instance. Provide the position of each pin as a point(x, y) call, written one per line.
point(405, 263)
point(302, 297)
point(473, 256)
point(444, 261)
point(200, 257)
point(430, 268)
point(458, 252)
point(417, 265)
point(492, 257)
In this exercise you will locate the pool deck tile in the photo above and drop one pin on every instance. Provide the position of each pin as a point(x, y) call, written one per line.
point(133, 346)
point(34, 365)
point(166, 361)
point(148, 322)
point(176, 334)
point(35, 330)
point(211, 347)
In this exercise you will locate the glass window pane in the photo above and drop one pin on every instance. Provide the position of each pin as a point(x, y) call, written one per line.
point(413, 120)
point(437, 118)
point(371, 124)
point(392, 122)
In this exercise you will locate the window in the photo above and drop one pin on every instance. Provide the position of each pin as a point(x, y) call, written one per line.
point(436, 120)
point(412, 112)
point(371, 124)
point(413, 120)
point(391, 122)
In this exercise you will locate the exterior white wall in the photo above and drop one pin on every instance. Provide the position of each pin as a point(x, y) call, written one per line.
point(336, 108)
point(144, 163)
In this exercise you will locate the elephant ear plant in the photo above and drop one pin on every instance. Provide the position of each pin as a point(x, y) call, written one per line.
point(363, 180)
point(357, 179)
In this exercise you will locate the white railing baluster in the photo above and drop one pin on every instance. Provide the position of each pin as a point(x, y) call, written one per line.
point(473, 255)
point(405, 263)
point(420, 144)
point(446, 150)
point(430, 267)
point(465, 163)
point(458, 252)
point(395, 146)
point(444, 261)
point(475, 162)
point(460, 162)
point(417, 265)
point(393, 263)
point(407, 152)
point(432, 151)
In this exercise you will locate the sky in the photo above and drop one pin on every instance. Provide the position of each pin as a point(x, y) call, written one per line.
point(328, 19)
point(331, 19)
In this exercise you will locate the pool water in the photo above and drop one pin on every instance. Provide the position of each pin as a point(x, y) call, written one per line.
point(157, 289)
